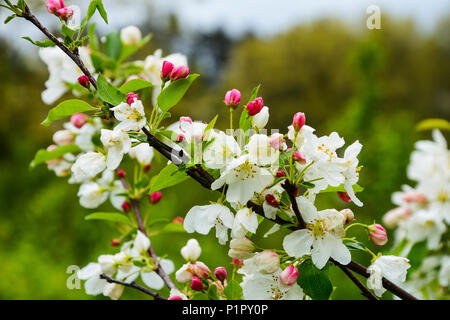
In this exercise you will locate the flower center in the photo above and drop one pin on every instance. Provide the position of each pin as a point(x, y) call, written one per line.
point(245, 171)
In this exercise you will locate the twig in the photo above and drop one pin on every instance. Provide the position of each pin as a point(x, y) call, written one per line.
point(364, 291)
point(133, 285)
point(290, 189)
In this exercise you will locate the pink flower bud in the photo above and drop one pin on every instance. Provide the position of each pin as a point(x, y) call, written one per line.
point(271, 200)
point(121, 173)
point(84, 81)
point(147, 167)
point(186, 120)
point(126, 206)
point(232, 97)
point(237, 262)
point(394, 216)
point(196, 284)
point(178, 220)
point(220, 273)
point(154, 197)
point(255, 106)
point(277, 141)
point(78, 120)
point(299, 121)
point(179, 72)
point(65, 13)
point(281, 173)
point(344, 196)
point(414, 197)
point(54, 5)
point(131, 97)
point(299, 157)
point(115, 242)
point(180, 138)
point(378, 234)
point(348, 214)
point(267, 261)
point(289, 275)
point(200, 270)
point(175, 298)
point(62, 137)
point(167, 68)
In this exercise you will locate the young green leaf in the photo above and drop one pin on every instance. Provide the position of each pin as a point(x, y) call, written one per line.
point(233, 290)
point(171, 95)
point(43, 155)
point(315, 283)
point(254, 93)
point(68, 32)
point(42, 44)
point(213, 293)
point(113, 45)
point(134, 85)
point(210, 126)
point(9, 18)
point(128, 50)
point(108, 92)
point(168, 177)
point(417, 253)
point(65, 109)
point(93, 39)
point(109, 216)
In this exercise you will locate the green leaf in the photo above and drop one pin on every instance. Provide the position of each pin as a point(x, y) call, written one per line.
point(417, 253)
point(9, 18)
point(173, 227)
point(65, 30)
point(233, 290)
point(108, 92)
point(109, 216)
point(21, 5)
point(168, 177)
point(213, 293)
point(254, 93)
point(42, 44)
point(67, 108)
point(102, 11)
point(315, 283)
point(429, 124)
point(134, 85)
point(113, 45)
point(43, 155)
point(210, 126)
point(128, 50)
point(356, 188)
point(171, 95)
point(93, 39)
point(355, 245)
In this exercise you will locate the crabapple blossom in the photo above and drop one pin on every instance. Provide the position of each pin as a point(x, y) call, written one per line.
point(130, 35)
point(260, 119)
point(87, 166)
point(117, 143)
point(191, 251)
point(131, 117)
point(143, 153)
point(390, 267)
point(267, 261)
point(244, 221)
point(378, 234)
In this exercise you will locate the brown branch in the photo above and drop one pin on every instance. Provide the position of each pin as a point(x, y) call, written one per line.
point(291, 189)
point(364, 291)
point(133, 285)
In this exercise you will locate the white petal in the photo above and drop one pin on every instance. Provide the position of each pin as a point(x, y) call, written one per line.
point(298, 243)
point(152, 280)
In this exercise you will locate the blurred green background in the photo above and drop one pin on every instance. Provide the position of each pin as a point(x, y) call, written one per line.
point(368, 85)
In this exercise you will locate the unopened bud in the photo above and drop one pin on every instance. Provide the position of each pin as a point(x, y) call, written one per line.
point(54, 5)
point(394, 216)
point(78, 120)
point(237, 262)
point(121, 173)
point(378, 234)
point(126, 206)
point(299, 157)
point(255, 106)
point(154, 197)
point(130, 35)
point(196, 284)
point(84, 81)
point(289, 275)
point(191, 251)
point(298, 121)
point(267, 261)
point(271, 200)
point(147, 167)
point(232, 98)
point(179, 72)
point(281, 173)
point(241, 248)
point(115, 242)
point(277, 141)
point(167, 68)
point(65, 13)
point(62, 137)
point(344, 196)
point(131, 97)
point(200, 270)
point(178, 220)
point(220, 273)
point(175, 298)
point(348, 214)
point(180, 138)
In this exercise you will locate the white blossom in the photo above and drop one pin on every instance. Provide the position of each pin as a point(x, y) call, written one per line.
point(87, 166)
point(391, 267)
point(117, 143)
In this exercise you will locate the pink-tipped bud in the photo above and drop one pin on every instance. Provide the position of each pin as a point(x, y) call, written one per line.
point(232, 98)
point(255, 106)
point(167, 68)
point(200, 270)
point(267, 261)
point(289, 275)
point(414, 197)
point(220, 273)
point(299, 157)
point(180, 138)
point(281, 173)
point(126, 206)
point(154, 197)
point(84, 81)
point(78, 120)
point(63, 137)
point(241, 248)
point(147, 167)
point(237, 262)
point(54, 5)
point(348, 215)
point(394, 216)
point(131, 97)
point(378, 234)
point(175, 298)
point(115, 242)
point(65, 13)
point(196, 284)
point(121, 173)
point(271, 200)
point(298, 121)
point(178, 220)
point(277, 141)
point(179, 72)
point(344, 196)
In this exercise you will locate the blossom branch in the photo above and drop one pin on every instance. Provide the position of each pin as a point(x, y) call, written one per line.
point(364, 291)
point(133, 285)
